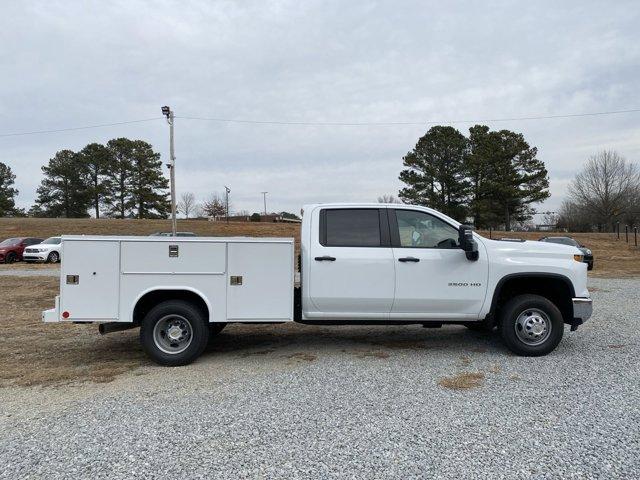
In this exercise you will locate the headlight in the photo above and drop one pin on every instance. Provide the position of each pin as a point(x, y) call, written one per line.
point(578, 258)
point(42, 250)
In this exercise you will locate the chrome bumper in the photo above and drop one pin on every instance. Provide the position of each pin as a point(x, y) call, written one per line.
point(582, 309)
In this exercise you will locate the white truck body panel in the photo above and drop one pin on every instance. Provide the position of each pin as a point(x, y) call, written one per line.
point(114, 273)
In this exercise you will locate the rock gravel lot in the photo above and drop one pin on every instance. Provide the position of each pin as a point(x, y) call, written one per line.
point(292, 401)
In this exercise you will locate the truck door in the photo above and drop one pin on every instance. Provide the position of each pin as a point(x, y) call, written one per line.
point(434, 279)
point(352, 271)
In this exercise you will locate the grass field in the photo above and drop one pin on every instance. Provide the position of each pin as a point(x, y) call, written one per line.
point(61, 353)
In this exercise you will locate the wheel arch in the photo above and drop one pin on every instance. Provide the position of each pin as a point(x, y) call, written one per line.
point(553, 286)
point(152, 296)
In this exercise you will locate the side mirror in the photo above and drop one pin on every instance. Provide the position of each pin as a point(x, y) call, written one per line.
point(467, 243)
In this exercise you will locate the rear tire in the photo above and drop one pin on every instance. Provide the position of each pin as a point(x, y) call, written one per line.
point(174, 333)
point(11, 257)
point(590, 266)
point(531, 325)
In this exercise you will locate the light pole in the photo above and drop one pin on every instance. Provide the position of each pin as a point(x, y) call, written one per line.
point(264, 197)
point(227, 191)
point(167, 112)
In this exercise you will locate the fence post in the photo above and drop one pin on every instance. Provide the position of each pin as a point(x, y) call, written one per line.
point(635, 235)
point(490, 232)
point(626, 233)
point(618, 229)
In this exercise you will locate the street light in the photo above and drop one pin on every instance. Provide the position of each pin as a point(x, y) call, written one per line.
point(166, 111)
point(227, 192)
point(264, 197)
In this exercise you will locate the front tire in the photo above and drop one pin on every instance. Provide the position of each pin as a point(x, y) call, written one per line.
point(531, 325)
point(11, 257)
point(53, 257)
point(174, 333)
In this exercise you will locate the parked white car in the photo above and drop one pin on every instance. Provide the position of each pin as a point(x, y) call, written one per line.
point(47, 251)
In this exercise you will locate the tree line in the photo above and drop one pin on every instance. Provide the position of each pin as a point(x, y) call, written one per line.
point(491, 178)
point(122, 179)
point(605, 192)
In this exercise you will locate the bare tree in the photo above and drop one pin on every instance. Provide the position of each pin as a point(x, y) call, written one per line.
point(388, 199)
point(187, 204)
point(606, 189)
point(215, 206)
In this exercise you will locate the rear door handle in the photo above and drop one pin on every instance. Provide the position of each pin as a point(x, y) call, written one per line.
point(327, 258)
point(408, 259)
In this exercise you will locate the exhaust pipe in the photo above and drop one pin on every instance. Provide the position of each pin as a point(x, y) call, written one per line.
point(111, 327)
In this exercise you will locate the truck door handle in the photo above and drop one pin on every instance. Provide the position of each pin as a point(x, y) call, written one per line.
point(327, 258)
point(408, 259)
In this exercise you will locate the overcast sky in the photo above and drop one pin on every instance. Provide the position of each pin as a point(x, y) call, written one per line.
point(69, 64)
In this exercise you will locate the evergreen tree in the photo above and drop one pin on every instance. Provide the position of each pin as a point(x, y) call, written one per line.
point(435, 174)
point(96, 158)
point(64, 191)
point(134, 186)
point(119, 178)
point(7, 192)
point(148, 185)
point(505, 177)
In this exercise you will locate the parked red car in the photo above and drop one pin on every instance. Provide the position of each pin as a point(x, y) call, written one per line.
point(11, 249)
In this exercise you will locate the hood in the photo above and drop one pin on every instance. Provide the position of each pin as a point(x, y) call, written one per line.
point(533, 247)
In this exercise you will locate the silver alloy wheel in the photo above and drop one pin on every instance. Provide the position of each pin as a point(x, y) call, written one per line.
point(533, 327)
point(172, 334)
point(53, 257)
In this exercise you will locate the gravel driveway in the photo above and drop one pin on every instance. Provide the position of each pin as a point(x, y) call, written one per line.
point(350, 402)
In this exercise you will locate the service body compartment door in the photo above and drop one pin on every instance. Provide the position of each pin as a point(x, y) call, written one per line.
point(89, 281)
point(260, 281)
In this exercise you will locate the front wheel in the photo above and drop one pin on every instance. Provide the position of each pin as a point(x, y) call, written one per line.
point(53, 257)
point(531, 325)
point(11, 257)
point(174, 333)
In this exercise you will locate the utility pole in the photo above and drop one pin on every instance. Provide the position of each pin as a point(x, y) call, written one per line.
point(264, 197)
point(167, 112)
point(227, 191)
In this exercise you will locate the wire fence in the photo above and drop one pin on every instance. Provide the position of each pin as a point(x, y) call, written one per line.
point(630, 232)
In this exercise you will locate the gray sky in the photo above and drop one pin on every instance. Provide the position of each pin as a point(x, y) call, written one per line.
point(68, 64)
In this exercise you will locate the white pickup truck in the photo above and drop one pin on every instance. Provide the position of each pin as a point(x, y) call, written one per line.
point(359, 264)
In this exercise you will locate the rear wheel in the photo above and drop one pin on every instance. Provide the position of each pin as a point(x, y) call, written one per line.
point(53, 257)
point(11, 257)
point(174, 333)
point(531, 325)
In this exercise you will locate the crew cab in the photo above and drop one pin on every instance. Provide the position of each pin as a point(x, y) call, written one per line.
point(373, 264)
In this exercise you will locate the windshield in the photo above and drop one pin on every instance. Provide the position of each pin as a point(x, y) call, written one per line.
point(52, 241)
point(10, 241)
point(562, 240)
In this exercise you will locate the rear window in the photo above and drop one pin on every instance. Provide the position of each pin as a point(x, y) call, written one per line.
point(351, 228)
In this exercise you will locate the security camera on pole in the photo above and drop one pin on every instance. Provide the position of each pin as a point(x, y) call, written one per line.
point(166, 111)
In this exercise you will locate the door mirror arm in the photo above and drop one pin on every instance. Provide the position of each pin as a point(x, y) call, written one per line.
point(467, 243)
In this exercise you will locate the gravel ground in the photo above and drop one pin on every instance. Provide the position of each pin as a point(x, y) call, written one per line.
point(350, 402)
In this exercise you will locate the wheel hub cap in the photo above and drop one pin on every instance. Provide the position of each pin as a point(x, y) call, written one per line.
point(533, 327)
point(172, 334)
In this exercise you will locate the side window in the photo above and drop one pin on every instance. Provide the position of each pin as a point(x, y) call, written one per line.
point(350, 228)
point(421, 230)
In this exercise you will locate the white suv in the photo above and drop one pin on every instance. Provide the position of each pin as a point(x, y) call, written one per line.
point(47, 251)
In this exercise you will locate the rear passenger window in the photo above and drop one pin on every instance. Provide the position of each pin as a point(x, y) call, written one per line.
point(350, 228)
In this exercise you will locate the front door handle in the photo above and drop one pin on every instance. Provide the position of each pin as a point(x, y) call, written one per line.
point(408, 259)
point(327, 258)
